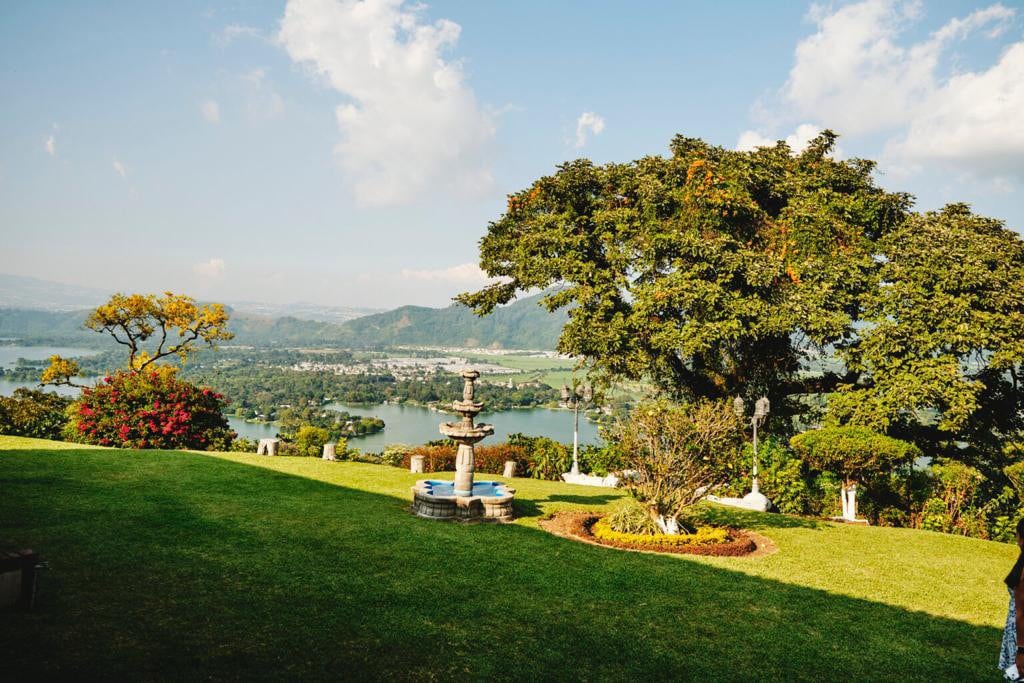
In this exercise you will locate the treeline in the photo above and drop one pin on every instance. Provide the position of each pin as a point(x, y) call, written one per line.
point(338, 423)
point(264, 391)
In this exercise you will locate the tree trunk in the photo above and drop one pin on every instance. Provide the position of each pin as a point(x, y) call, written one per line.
point(668, 525)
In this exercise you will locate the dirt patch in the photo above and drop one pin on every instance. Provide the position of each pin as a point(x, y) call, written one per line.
point(577, 526)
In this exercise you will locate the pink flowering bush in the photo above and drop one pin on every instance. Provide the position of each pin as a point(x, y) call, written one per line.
point(149, 409)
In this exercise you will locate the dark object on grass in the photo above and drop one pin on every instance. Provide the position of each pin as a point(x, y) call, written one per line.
point(19, 572)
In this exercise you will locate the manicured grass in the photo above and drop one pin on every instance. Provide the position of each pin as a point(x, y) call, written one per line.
point(179, 565)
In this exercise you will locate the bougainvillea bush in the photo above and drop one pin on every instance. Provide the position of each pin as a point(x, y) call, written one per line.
point(149, 409)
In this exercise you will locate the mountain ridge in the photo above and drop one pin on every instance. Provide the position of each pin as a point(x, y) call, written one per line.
point(523, 324)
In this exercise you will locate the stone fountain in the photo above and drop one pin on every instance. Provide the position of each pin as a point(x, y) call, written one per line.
point(464, 498)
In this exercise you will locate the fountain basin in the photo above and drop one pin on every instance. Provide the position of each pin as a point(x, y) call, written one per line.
point(468, 434)
point(489, 501)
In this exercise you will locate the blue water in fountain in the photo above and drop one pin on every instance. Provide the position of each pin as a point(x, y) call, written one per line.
point(488, 489)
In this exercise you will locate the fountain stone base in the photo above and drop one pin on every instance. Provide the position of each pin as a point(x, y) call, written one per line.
point(490, 501)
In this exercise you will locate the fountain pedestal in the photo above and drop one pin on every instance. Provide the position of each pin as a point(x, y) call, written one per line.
point(464, 498)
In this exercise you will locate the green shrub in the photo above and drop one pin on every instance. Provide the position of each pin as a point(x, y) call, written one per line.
point(310, 440)
point(854, 453)
point(34, 413)
point(956, 485)
point(394, 454)
point(632, 518)
point(823, 495)
point(780, 474)
point(600, 460)
point(242, 445)
point(545, 458)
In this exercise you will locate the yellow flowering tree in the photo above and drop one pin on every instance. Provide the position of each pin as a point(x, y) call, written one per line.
point(152, 328)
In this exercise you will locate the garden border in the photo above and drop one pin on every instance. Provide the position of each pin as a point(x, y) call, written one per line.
point(575, 526)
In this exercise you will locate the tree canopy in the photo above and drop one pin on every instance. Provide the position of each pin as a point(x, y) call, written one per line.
point(151, 328)
point(713, 272)
point(718, 273)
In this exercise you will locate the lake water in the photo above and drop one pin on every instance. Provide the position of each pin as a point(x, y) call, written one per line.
point(403, 423)
point(9, 355)
point(415, 425)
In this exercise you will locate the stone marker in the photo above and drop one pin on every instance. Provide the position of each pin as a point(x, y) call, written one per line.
point(510, 468)
point(329, 451)
point(416, 463)
point(268, 447)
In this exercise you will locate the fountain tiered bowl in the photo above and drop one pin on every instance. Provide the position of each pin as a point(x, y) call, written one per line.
point(464, 498)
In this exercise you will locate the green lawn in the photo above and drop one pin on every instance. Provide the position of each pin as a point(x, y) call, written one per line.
point(184, 566)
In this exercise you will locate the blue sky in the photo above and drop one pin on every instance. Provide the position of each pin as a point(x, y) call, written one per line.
point(352, 153)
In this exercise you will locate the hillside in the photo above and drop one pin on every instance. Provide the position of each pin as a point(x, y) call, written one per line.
point(184, 566)
point(520, 325)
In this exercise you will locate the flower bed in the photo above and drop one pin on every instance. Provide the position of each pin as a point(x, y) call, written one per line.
point(588, 527)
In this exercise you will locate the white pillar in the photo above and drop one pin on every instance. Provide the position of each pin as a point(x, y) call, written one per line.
point(852, 505)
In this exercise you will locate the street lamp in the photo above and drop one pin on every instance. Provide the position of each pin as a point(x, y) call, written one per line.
point(761, 408)
point(583, 392)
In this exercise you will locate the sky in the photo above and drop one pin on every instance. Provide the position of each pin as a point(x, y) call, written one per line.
point(352, 153)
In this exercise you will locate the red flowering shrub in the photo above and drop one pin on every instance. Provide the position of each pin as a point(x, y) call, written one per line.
point(150, 409)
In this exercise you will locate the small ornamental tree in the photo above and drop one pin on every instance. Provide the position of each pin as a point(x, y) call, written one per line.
point(678, 454)
point(151, 328)
point(854, 454)
point(150, 409)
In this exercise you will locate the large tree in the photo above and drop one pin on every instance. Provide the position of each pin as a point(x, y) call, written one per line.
point(939, 356)
point(713, 272)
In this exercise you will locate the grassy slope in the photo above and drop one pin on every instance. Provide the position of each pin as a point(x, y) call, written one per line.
point(185, 565)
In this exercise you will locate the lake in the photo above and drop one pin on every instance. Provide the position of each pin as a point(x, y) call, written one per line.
point(403, 423)
point(415, 425)
point(9, 355)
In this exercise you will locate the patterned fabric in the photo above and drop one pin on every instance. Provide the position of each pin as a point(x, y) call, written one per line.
point(1008, 652)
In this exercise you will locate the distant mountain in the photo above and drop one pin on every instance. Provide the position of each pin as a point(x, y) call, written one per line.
point(523, 324)
point(29, 293)
point(32, 293)
point(301, 311)
point(49, 327)
point(520, 325)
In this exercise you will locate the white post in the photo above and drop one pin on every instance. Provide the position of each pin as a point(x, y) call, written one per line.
point(842, 498)
point(576, 437)
point(754, 486)
point(852, 491)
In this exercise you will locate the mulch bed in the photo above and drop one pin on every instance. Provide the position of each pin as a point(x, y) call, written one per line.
point(577, 526)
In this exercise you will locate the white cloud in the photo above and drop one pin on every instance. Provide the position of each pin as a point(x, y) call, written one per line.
point(462, 273)
point(50, 145)
point(751, 139)
point(211, 111)
point(120, 168)
point(588, 122)
point(975, 119)
point(858, 75)
point(411, 122)
point(232, 31)
point(212, 269)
